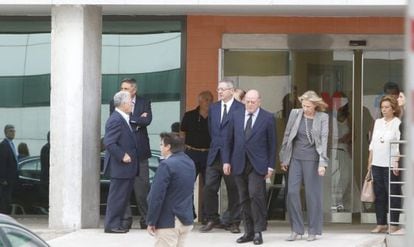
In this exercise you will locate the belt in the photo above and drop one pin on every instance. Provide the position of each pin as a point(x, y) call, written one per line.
point(197, 149)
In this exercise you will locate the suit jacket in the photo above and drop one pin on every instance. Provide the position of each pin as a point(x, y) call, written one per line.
point(139, 124)
point(8, 163)
point(320, 132)
point(260, 146)
point(219, 131)
point(118, 140)
point(171, 193)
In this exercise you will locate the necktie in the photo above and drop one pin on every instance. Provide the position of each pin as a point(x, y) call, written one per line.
point(248, 128)
point(224, 113)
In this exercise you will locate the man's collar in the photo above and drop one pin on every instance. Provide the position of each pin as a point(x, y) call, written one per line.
point(228, 103)
point(123, 114)
point(254, 113)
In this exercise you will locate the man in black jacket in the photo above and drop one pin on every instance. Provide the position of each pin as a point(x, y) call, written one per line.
point(8, 168)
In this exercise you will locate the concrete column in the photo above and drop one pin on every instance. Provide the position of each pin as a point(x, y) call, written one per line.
point(75, 116)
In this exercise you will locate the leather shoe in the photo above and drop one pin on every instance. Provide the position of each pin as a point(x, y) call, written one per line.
point(233, 228)
point(116, 230)
point(207, 227)
point(257, 239)
point(245, 238)
point(143, 225)
point(126, 224)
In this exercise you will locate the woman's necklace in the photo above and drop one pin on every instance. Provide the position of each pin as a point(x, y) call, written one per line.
point(308, 133)
point(387, 123)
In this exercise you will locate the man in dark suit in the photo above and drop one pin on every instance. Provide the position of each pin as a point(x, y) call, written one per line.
point(8, 168)
point(170, 201)
point(140, 118)
point(121, 162)
point(250, 155)
point(219, 116)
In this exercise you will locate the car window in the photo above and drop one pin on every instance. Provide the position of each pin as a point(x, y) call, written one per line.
point(19, 237)
point(31, 169)
point(153, 163)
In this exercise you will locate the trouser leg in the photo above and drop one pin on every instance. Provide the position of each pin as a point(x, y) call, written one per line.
point(243, 191)
point(211, 188)
point(381, 193)
point(294, 205)
point(257, 194)
point(233, 207)
point(314, 199)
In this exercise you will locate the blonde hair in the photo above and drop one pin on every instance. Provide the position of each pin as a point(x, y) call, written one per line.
point(315, 99)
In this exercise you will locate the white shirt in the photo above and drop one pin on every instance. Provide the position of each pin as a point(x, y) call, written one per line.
point(254, 116)
point(228, 105)
point(133, 104)
point(384, 132)
point(124, 116)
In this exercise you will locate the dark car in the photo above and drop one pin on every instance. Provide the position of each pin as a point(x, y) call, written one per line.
point(31, 195)
point(13, 233)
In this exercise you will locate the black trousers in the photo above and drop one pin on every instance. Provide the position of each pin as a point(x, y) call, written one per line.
point(6, 192)
point(252, 192)
point(200, 161)
point(381, 190)
point(214, 173)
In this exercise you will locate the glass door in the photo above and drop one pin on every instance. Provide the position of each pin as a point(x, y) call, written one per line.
point(380, 68)
point(330, 74)
point(282, 76)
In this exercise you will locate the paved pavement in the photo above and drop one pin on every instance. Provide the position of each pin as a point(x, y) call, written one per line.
point(335, 235)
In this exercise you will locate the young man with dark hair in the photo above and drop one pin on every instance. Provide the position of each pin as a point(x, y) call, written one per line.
point(170, 200)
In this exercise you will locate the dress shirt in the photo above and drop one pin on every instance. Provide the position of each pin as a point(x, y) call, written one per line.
point(124, 116)
point(228, 105)
point(133, 104)
point(254, 116)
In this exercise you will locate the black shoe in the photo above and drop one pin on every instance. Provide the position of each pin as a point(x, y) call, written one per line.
point(116, 230)
point(258, 238)
point(126, 224)
point(233, 228)
point(245, 238)
point(142, 225)
point(210, 225)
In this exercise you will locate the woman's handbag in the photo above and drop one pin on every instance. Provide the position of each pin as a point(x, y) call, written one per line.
point(367, 192)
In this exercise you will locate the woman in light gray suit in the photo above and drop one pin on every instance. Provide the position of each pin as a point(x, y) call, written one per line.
point(304, 154)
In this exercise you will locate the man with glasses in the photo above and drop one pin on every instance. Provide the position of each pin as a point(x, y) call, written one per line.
point(219, 116)
point(8, 168)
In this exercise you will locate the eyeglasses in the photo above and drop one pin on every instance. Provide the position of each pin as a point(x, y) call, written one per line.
point(220, 89)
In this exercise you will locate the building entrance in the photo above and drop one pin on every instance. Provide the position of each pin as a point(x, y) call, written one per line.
point(350, 80)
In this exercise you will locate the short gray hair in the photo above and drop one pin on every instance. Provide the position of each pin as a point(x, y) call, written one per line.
point(121, 97)
point(229, 83)
point(7, 127)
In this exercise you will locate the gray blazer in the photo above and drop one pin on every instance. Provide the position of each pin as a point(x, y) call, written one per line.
point(320, 132)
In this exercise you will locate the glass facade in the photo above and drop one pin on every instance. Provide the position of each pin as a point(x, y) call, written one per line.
point(351, 82)
point(147, 50)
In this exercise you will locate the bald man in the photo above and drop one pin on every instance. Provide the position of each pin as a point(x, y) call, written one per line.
point(250, 155)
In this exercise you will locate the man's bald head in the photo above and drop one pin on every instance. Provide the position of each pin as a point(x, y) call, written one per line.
point(252, 100)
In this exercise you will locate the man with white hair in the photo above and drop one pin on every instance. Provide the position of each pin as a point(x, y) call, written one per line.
point(121, 162)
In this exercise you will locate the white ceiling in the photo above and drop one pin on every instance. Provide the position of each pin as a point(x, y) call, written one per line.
point(251, 10)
